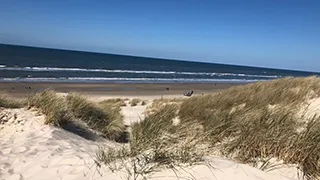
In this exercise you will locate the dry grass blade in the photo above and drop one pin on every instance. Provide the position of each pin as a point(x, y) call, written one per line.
point(103, 117)
point(306, 150)
point(143, 103)
point(160, 103)
point(259, 121)
point(156, 142)
point(153, 126)
point(117, 102)
point(52, 105)
point(263, 134)
point(134, 102)
point(8, 102)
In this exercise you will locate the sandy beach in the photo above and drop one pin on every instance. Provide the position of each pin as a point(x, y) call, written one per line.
point(159, 90)
point(31, 150)
point(113, 90)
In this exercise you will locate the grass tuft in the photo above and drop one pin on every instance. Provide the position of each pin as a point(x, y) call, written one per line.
point(160, 103)
point(117, 102)
point(101, 117)
point(134, 102)
point(143, 103)
point(305, 151)
point(259, 121)
point(52, 105)
point(155, 142)
point(146, 132)
point(8, 102)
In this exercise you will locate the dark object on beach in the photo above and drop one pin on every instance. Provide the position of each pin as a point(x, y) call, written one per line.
point(12, 88)
point(189, 93)
point(167, 88)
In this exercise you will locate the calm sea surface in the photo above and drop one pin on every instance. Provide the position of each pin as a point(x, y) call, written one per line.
point(18, 63)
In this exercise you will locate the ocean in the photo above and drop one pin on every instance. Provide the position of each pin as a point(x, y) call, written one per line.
point(21, 63)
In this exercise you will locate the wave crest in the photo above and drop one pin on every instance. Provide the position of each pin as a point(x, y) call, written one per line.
point(101, 79)
point(44, 69)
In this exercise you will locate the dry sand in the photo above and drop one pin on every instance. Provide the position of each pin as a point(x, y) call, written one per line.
point(30, 150)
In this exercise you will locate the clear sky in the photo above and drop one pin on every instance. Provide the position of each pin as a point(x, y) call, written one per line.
point(268, 33)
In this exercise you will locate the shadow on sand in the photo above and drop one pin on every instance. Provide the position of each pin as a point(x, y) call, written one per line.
point(81, 130)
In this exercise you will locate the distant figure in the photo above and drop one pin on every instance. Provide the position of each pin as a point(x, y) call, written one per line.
point(167, 88)
point(189, 93)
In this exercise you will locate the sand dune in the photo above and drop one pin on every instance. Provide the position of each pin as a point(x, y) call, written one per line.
point(31, 150)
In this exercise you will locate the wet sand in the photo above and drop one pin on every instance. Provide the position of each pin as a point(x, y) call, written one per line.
point(21, 90)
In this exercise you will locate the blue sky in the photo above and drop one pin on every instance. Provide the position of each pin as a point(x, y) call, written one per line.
point(273, 33)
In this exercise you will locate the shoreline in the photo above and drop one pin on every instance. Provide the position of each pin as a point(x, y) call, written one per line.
point(114, 90)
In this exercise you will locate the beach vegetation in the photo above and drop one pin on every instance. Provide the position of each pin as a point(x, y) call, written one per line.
point(155, 142)
point(8, 102)
point(102, 117)
point(118, 102)
point(258, 124)
point(143, 102)
point(135, 102)
point(160, 103)
point(52, 105)
point(261, 121)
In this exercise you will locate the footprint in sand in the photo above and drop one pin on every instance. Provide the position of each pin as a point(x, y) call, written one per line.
point(15, 177)
point(11, 171)
point(6, 151)
point(19, 149)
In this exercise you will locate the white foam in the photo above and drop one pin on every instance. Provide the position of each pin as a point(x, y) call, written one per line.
point(93, 79)
point(43, 69)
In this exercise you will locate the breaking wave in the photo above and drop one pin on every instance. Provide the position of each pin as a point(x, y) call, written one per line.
point(45, 69)
point(102, 79)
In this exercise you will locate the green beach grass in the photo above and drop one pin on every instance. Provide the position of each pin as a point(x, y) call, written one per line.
point(252, 123)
